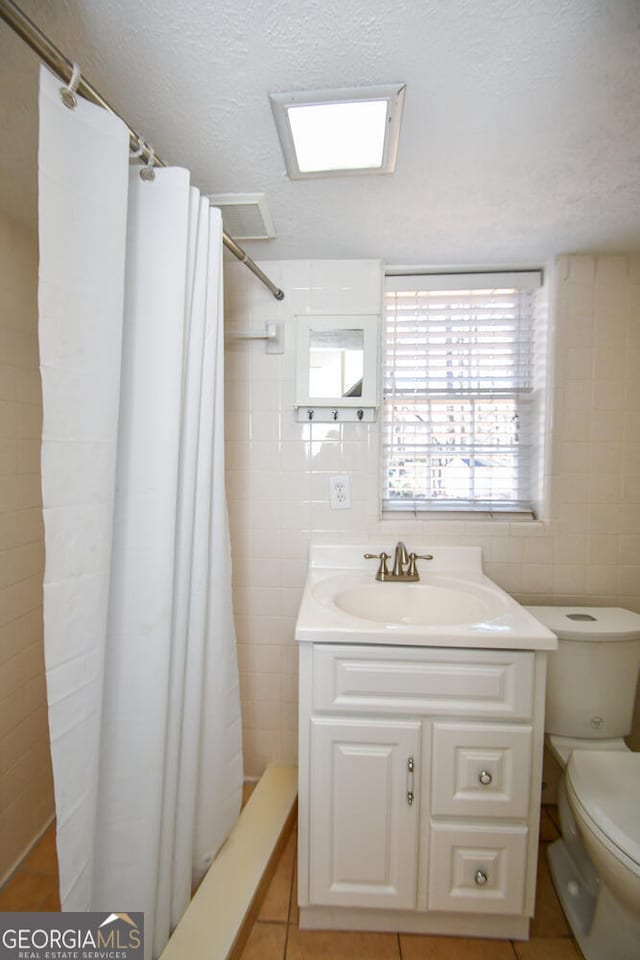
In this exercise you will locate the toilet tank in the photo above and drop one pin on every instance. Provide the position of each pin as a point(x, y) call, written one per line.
point(592, 677)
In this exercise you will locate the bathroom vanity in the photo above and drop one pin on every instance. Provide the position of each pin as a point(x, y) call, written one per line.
point(420, 748)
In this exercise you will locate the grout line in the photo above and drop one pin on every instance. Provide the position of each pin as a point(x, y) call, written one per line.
point(293, 875)
point(25, 613)
point(399, 946)
point(25, 543)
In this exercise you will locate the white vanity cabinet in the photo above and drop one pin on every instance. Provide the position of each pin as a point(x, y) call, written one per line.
point(419, 791)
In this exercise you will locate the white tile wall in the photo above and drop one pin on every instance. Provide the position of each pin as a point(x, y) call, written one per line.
point(585, 551)
point(26, 795)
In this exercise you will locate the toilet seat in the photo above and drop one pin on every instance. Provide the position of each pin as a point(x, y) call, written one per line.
point(606, 787)
point(563, 747)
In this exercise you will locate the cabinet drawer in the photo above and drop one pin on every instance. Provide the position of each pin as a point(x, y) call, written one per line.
point(473, 870)
point(484, 683)
point(481, 770)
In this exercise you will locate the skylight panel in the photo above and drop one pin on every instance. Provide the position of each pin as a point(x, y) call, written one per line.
point(338, 132)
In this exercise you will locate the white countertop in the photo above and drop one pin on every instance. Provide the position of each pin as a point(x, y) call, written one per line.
point(453, 571)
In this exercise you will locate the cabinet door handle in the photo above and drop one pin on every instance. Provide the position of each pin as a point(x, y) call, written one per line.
point(480, 878)
point(411, 766)
point(485, 778)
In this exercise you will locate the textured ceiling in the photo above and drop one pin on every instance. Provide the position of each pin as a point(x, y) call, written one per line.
point(520, 137)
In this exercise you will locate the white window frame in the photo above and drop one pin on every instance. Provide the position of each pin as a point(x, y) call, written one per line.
point(409, 450)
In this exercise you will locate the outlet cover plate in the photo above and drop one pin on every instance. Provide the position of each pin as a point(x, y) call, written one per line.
point(340, 492)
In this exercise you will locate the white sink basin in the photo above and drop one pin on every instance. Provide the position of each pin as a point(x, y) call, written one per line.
point(432, 603)
point(453, 604)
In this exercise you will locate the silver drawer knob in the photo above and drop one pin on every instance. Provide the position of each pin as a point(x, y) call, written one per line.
point(485, 778)
point(480, 878)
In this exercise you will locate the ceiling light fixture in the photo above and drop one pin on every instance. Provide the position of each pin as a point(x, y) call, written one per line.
point(328, 133)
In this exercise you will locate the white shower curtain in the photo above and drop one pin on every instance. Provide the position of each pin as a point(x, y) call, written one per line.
point(139, 642)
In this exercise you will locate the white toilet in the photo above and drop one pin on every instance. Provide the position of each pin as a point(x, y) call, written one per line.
point(591, 685)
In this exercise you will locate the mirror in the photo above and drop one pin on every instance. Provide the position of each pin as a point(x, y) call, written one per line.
point(336, 365)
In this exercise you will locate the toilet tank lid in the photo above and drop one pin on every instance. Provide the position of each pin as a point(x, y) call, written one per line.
point(589, 623)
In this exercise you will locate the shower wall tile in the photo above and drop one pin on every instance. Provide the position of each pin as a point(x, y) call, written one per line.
point(26, 793)
point(586, 549)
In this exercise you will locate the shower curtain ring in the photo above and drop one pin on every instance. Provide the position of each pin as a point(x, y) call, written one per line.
point(148, 173)
point(134, 154)
point(68, 93)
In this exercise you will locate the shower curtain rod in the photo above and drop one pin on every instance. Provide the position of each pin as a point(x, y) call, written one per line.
point(63, 67)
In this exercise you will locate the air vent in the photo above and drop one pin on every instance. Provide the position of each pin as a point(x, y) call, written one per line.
point(245, 216)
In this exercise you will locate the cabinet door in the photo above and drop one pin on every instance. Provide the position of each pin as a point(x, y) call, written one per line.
point(364, 813)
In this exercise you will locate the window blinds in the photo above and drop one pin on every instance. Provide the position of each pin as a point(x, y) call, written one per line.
point(457, 373)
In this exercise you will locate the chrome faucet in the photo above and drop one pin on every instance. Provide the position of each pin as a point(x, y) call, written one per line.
point(404, 570)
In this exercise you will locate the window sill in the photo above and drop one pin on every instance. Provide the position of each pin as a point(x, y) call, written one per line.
point(498, 516)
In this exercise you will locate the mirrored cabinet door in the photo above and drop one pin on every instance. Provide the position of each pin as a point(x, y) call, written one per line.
point(337, 364)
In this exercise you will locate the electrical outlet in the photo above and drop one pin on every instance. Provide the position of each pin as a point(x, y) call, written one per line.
point(340, 492)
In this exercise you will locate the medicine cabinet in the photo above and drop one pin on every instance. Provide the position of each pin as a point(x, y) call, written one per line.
point(337, 368)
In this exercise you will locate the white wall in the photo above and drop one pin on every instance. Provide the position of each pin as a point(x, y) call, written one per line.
point(26, 794)
point(586, 551)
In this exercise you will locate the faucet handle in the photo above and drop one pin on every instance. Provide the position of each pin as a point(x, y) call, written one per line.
point(412, 569)
point(383, 570)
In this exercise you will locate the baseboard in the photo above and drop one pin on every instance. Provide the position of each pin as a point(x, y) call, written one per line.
point(23, 856)
point(413, 921)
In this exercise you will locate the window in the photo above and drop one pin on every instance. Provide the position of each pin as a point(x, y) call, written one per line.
point(460, 395)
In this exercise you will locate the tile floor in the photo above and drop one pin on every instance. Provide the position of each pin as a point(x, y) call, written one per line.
point(34, 885)
point(276, 935)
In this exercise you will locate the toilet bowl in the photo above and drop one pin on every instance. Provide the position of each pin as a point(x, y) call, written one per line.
point(603, 789)
point(595, 865)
